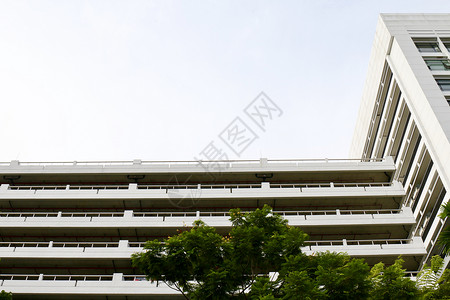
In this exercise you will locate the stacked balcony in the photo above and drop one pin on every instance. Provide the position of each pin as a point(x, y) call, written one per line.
point(68, 223)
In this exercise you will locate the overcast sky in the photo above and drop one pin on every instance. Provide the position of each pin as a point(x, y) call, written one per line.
point(162, 80)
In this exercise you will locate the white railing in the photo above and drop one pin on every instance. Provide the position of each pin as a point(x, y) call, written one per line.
point(166, 214)
point(359, 242)
point(59, 244)
point(186, 162)
point(42, 277)
point(67, 187)
point(200, 186)
point(56, 277)
point(329, 185)
point(62, 214)
point(167, 187)
point(340, 212)
point(130, 244)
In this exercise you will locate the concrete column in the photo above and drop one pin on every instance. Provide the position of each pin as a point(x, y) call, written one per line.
point(41, 277)
point(197, 214)
point(4, 187)
point(50, 244)
point(263, 161)
point(344, 242)
point(137, 161)
point(265, 185)
point(332, 184)
point(14, 163)
point(132, 186)
point(128, 214)
point(338, 212)
point(123, 244)
point(417, 240)
point(117, 277)
point(59, 214)
point(389, 159)
point(67, 187)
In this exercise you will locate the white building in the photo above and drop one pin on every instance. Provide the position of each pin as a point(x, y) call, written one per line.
point(68, 229)
point(405, 114)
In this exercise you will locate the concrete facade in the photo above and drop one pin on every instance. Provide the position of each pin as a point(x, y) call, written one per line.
point(405, 114)
point(67, 229)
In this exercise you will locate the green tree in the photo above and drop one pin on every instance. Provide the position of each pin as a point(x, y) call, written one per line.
point(431, 284)
point(261, 258)
point(202, 264)
point(444, 237)
point(5, 295)
point(390, 283)
point(342, 277)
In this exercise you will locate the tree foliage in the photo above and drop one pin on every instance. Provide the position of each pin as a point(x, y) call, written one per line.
point(202, 264)
point(5, 295)
point(391, 283)
point(261, 258)
point(444, 237)
point(431, 284)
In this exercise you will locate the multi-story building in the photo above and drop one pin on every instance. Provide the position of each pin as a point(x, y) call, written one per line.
point(405, 114)
point(68, 229)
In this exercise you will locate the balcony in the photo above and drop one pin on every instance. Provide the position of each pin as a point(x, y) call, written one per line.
point(231, 171)
point(203, 191)
point(63, 285)
point(123, 249)
point(131, 219)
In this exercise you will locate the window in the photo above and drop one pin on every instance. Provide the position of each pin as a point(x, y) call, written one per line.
point(447, 45)
point(446, 42)
point(444, 84)
point(438, 64)
point(428, 47)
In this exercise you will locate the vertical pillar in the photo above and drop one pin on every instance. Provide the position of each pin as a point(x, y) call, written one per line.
point(123, 244)
point(128, 214)
point(117, 277)
point(265, 185)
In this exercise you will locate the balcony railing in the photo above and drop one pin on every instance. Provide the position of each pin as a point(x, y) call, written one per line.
point(359, 242)
point(130, 244)
point(198, 214)
point(166, 188)
point(187, 162)
point(57, 277)
point(53, 244)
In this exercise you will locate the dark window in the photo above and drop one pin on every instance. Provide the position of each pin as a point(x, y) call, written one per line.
point(434, 212)
point(428, 47)
point(447, 45)
point(444, 84)
point(438, 64)
point(422, 184)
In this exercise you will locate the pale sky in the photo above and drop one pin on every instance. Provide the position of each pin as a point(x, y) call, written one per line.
point(161, 80)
